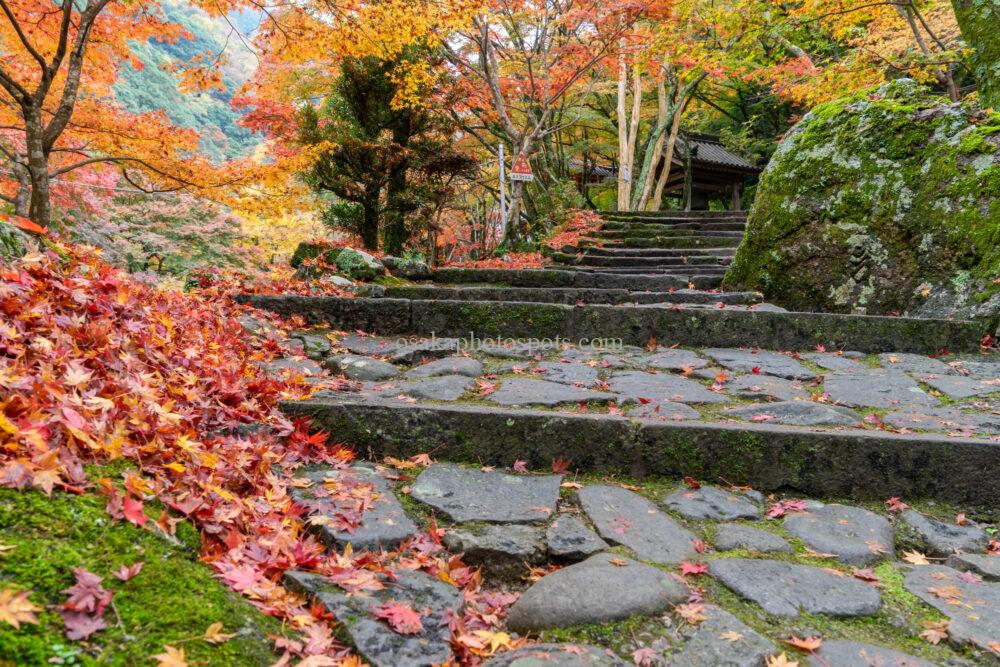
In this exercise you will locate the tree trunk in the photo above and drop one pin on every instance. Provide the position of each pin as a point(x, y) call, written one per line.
point(22, 200)
point(369, 223)
point(40, 206)
point(979, 20)
point(628, 129)
point(668, 158)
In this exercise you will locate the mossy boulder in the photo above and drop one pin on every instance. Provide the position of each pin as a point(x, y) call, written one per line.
point(407, 267)
point(13, 242)
point(884, 202)
point(313, 249)
point(359, 265)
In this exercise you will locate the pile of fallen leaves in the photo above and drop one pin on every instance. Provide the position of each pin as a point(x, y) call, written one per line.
point(510, 260)
point(581, 224)
point(95, 367)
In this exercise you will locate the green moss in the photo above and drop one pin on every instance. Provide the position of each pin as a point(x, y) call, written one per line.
point(872, 199)
point(172, 600)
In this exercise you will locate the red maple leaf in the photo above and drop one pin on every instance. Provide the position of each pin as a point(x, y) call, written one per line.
point(87, 594)
point(126, 573)
point(782, 507)
point(560, 466)
point(132, 510)
point(895, 504)
point(402, 618)
point(80, 625)
point(693, 569)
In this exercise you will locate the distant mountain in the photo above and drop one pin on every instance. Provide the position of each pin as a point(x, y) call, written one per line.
point(152, 89)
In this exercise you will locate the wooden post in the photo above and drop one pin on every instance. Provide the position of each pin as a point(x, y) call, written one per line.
point(736, 196)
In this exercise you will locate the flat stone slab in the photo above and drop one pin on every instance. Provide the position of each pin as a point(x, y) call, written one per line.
point(556, 655)
point(383, 524)
point(914, 363)
point(767, 363)
point(841, 653)
point(669, 360)
point(567, 373)
point(852, 534)
point(663, 410)
point(730, 536)
point(635, 385)
point(765, 388)
point(466, 366)
point(503, 551)
point(601, 589)
point(379, 644)
point(797, 413)
point(315, 345)
point(705, 645)
point(429, 348)
point(834, 362)
point(523, 350)
point(465, 494)
point(787, 589)
point(441, 388)
point(528, 391)
point(368, 345)
point(570, 539)
point(985, 565)
point(711, 502)
point(974, 608)
point(988, 369)
point(876, 388)
point(958, 387)
point(626, 518)
point(945, 419)
point(943, 539)
point(363, 369)
point(292, 366)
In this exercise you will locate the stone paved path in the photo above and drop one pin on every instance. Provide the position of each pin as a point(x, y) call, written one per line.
point(606, 569)
point(684, 573)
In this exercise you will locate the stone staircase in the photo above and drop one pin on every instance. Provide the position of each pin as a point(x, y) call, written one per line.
point(686, 244)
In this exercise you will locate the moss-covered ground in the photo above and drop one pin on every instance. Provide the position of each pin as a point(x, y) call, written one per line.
point(172, 600)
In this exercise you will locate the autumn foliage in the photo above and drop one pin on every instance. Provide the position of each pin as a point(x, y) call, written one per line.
point(96, 367)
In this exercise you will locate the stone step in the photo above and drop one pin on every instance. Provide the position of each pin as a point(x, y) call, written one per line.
point(564, 277)
point(682, 270)
point(634, 325)
point(670, 230)
point(632, 261)
point(658, 252)
point(767, 457)
point(668, 215)
point(667, 232)
point(674, 242)
point(570, 295)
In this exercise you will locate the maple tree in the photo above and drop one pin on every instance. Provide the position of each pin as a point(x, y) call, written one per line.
point(59, 115)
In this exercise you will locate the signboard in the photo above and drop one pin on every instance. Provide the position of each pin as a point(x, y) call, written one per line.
point(521, 170)
point(626, 174)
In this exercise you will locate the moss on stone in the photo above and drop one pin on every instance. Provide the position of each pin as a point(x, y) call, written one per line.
point(883, 202)
point(171, 601)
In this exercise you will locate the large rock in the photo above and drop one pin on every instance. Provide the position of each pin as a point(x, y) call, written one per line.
point(626, 518)
point(465, 494)
point(359, 265)
point(407, 267)
point(382, 525)
point(570, 539)
point(503, 551)
point(840, 653)
point(885, 201)
point(943, 539)
point(602, 588)
point(852, 534)
point(13, 242)
point(706, 644)
point(378, 643)
point(973, 606)
point(711, 502)
point(556, 655)
point(786, 589)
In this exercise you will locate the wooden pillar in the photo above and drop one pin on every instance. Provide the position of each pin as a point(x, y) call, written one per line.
point(736, 196)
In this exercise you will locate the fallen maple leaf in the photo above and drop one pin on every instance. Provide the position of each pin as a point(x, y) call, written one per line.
point(692, 483)
point(780, 660)
point(214, 635)
point(402, 618)
point(80, 625)
point(731, 635)
point(895, 504)
point(520, 466)
point(87, 594)
point(16, 608)
point(692, 613)
point(782, 507)
point(809, 644)
point(171, 657)
point(560, 466)
point(693, 569)
point(915, 558)
point(125, 573)
point(935, 631)
point(133, 510)
point(961, 520)
point(643, 657)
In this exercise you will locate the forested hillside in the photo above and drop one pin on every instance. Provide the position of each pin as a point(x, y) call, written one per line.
point(152, 88)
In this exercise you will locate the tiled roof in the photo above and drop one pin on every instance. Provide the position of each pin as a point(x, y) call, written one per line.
point(709, 151)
